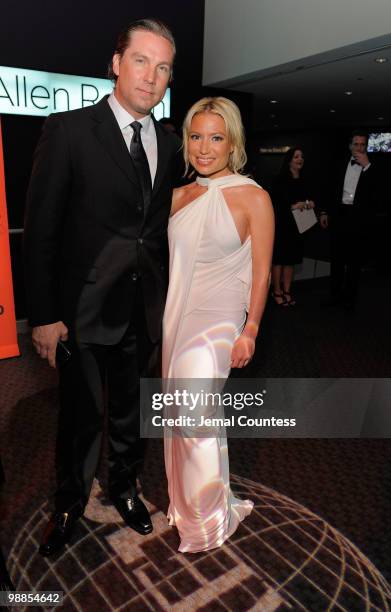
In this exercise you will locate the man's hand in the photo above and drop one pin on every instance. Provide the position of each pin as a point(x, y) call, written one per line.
point(324, 221)
point(242, 351)
point(45, 338)
point(361, 158)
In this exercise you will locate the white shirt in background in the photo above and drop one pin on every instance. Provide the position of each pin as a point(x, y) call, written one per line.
point(352, 177)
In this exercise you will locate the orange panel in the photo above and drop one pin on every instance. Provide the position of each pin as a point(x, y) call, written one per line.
point(8, 339)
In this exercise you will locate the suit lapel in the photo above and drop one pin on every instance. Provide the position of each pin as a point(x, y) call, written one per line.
point(162, 138)
point(110, 136)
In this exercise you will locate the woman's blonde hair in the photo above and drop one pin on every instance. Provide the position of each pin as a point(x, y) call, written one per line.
point(233, 124)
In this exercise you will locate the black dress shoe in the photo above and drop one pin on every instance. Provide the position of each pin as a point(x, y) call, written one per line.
point(134, 513)
point(57, 533)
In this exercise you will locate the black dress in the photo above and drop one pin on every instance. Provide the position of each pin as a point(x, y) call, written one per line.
point(288, 242)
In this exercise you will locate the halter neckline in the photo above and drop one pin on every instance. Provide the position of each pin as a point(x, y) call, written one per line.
point(221, 180)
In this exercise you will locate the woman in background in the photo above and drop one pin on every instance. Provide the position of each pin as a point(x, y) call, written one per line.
point(291, 191)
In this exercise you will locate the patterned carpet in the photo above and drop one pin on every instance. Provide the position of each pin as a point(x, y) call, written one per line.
point(318, 538)
point(283, 558)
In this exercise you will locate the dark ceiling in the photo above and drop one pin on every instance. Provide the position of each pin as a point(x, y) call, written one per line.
point(312, 93)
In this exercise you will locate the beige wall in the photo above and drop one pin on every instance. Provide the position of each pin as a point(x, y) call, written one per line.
point(246, 36)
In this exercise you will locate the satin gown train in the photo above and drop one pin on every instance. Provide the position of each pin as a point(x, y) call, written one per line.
point(209, 289)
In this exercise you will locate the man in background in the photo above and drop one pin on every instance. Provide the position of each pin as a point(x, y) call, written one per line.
point(168, 125)
point(350, 218)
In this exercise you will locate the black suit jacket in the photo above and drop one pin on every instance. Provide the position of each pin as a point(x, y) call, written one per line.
point(88, 235)
point(365, 198)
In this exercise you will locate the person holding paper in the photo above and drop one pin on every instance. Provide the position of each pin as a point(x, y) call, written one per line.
point(291, 191)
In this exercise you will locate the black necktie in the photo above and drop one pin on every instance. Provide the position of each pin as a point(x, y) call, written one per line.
point(353, 161)
point(139, 158)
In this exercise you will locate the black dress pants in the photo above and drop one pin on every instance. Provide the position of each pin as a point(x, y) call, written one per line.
point(348, 249)
point(97, 376)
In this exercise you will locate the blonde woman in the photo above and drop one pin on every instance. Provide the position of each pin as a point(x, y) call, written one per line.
point(221, 238)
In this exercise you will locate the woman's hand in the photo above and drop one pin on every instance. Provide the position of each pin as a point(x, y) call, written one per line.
point(242, 351)
point(324, 220)
point(298, 206)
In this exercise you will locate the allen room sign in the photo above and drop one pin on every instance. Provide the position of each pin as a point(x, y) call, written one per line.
point(37, 93)
point(33, 92)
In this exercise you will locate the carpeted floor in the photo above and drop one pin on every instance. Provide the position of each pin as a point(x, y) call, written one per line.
point(318, 538)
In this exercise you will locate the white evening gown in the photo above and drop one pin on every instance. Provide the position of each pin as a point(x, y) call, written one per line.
point(209, 288)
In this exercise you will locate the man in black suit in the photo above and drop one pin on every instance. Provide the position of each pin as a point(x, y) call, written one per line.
point(96, 274)
point(352, 213)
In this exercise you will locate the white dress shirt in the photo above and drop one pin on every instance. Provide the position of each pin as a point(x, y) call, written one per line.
point(352, 176)
point(148, 133)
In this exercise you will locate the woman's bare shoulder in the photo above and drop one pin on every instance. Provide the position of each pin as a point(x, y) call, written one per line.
point(249, 193)
point(180, 195)
point(180, 192)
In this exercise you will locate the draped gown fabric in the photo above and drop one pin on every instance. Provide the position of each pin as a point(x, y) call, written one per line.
point(208, 295)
